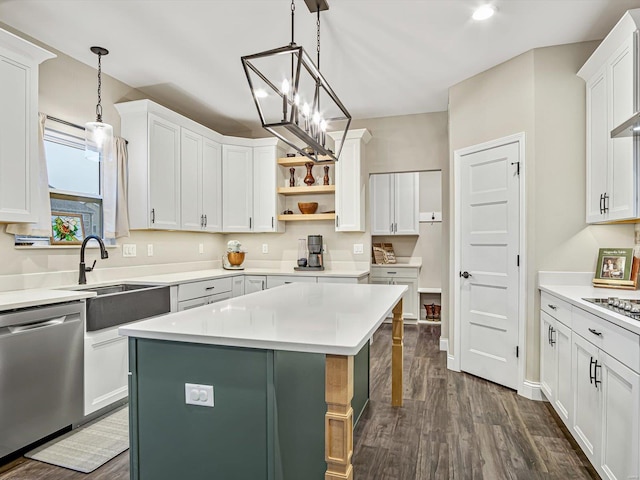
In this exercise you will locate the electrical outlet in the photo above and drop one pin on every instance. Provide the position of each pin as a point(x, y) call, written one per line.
point(201, 395)
point(358, 248)
point(324, 248)
point(201, 248)
point(265, 248)
point(129, 250)
point(150, 250)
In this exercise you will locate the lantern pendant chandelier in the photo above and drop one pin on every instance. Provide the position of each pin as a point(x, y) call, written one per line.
point(294, 101)
point(98, 135)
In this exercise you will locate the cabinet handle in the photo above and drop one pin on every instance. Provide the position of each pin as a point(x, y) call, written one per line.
point(552, 307)
point(595, 332)
point(201, 221)
point(549, 335)
point(601, 200)
point(272, 222)
point(391, 273)
point(591, 374)
point(391, 228)
point(205, 221)
point(262, 284)
point(337, 220)
point(606, 202)
point(210, 288)
point(249, 222)
point(153, 215)
point(595, 374)
point(551, 340)
point(395, 228)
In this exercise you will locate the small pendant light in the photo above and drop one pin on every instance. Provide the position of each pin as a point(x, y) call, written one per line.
point(98, 134)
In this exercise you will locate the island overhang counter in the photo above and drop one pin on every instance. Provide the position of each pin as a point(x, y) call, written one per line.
point(269, 356)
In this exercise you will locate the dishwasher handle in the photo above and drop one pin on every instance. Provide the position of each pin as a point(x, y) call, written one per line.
point(37, 325)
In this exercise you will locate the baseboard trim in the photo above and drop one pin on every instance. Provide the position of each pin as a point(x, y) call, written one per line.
point(451, 363)
point(444, 344)
point(532, 391)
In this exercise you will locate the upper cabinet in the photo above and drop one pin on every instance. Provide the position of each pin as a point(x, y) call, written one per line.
point(237, 196)
point(19, 151)
point(350, 182)
point(394, 201)
point(611, 76)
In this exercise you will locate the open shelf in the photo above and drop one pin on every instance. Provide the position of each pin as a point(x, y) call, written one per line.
point(309, 217)
point(307, 190)
point(300, 161)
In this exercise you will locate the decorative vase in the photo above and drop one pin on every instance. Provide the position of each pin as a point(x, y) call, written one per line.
point(309, 180)
point(292, 178)
point(326, 175)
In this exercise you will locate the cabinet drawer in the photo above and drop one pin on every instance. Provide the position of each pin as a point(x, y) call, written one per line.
point(377, 272)
point(277, 280)
point(187, 291)
point(621, 344)
point(558, 309)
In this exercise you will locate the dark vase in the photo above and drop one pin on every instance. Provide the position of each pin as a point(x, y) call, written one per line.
point(309, 180)
point(292, 178)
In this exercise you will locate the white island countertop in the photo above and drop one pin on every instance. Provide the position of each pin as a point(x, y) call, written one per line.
point(301, 317)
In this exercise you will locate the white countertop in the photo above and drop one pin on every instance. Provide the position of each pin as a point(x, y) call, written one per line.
point(31, 298)
point(574, 294)
point(401, 262)
point(301, 317)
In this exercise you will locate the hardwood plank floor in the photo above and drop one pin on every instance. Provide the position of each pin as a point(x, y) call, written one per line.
point(452, 426)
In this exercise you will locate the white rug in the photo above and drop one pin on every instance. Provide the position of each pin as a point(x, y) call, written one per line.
point(89, 446)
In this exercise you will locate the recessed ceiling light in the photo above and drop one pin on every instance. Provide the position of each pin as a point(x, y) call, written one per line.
point(484, 12)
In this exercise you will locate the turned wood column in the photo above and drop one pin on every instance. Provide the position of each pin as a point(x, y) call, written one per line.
point(396, 355)
point(338, 426)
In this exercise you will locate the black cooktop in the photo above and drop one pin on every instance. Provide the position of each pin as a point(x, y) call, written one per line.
point(624, 306)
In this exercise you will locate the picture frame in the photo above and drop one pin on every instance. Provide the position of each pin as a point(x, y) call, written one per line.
point(616, 268)
point(66, 228)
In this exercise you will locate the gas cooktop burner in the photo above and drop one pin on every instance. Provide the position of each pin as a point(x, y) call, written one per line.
point(627, 307)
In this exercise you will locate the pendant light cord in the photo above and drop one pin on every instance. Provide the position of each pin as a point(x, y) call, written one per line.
point(293, 14)
point(318, 37)
point(99, 105)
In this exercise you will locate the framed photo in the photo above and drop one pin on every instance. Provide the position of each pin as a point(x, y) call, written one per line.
point(615, 267)
point(66, 228)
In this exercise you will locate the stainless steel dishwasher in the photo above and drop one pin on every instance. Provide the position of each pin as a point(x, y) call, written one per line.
point(41, 365)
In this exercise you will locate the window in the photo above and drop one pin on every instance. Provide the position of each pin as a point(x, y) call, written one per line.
point(74, 180)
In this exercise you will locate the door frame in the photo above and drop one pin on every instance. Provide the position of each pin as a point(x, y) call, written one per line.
point(453, 360)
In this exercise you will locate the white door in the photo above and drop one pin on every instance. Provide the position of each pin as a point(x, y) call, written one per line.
point(164, 173)
point(407, 208)
point(237, 191)
point(489, 242)
point(190, 181)
point(548, 357)
point(586, 398)
point(212, 185)
point(381, 202)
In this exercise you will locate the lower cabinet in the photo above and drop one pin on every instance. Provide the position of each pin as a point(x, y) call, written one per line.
point(237, 286)
point(254, 283)
point(199, 302)
point(390, 275)
point(277, 280)
point(197, 294)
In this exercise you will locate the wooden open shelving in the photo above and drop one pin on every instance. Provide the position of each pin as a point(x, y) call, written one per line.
point(300, 161)
point(313, 190)
point(310, 217)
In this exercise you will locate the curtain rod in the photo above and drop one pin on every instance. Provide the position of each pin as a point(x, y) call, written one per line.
point(75, 125)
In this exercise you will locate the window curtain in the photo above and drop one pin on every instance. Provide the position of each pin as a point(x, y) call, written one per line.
point(42, 206)
point(114, 198)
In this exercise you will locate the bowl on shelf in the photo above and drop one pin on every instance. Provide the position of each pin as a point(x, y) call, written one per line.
point(308, 207)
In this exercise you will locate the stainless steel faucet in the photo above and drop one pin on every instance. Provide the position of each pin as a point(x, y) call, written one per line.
point(82, 280)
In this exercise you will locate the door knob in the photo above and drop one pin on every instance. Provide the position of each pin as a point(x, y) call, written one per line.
point(465, 274)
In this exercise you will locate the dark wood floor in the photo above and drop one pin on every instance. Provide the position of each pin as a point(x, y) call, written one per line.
point(452, 426)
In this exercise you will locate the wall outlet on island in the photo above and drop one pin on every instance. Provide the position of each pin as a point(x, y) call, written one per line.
point(358, 248)
point(265, 248)
point(201, 395)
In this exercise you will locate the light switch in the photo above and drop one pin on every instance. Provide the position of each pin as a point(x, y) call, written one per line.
point(150, 250)
point(265, 248)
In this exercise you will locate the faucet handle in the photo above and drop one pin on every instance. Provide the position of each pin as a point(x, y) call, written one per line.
point(88, 269)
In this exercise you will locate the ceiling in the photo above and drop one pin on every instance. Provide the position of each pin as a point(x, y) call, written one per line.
point(382, 57)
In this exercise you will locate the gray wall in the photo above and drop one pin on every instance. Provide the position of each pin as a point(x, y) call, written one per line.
point(538, 93)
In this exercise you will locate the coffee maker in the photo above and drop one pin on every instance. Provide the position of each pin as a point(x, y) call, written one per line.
point(314, 262)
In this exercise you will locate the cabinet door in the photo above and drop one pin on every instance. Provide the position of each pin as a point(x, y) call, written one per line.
point(193, 303)
point(212, 185)
point(350, 189)
point(622, 178)
point(406, 206)
point(164, 173)
point(18, 130)
point(254, 283)
point(597, 146)
point(237, 287)
point(106, 360)
point(265, 201)
point(278, 280)
point(548, 367)
point(410, 298)
point(237, 192)
point(620, 408)
point(563, 395)
point(381, 202)
point(586, 398)
point(190, 180)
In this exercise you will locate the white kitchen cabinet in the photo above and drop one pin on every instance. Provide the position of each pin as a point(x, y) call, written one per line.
point(612, 163)
point(237, 286)
point(277, 280)
point(254, 283)
point(394, 204)
point(204, 292)
point(363, 280)
point(201, 182)
point(350, 182)
point(19, 169)
point(390, 275)
point(201, 301)
point(267, 203)
point(237, 192)
point(563, 402)
point(548, 360)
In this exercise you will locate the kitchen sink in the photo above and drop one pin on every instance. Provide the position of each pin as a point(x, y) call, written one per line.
point(123, 303)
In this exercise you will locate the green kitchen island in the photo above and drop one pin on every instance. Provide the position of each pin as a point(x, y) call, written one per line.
point(262, 386)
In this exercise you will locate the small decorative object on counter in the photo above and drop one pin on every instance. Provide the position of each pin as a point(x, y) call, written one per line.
point(383, 253)
point(309, 180)
point(292, 178)
point(326, 175)
point(234, 256)
point(308, 208)
point(617, 268)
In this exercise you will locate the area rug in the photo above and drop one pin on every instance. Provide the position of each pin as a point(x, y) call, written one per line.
point(89, 446)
